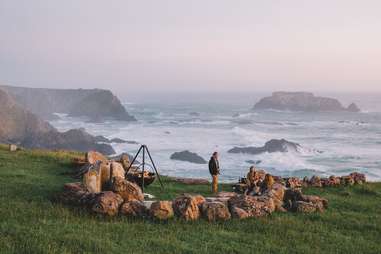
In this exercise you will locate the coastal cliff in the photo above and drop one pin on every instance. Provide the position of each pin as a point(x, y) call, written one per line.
point(95, 104)
point(302, 101)
point(20, 126)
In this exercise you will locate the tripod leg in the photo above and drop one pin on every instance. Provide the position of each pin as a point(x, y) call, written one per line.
point(144, 153)
point(132, 162)
point(153, 164)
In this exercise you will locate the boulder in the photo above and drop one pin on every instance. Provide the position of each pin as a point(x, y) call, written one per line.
point(215, 211)
point(272, 146)
point(347, 180)
point(188, 156)
point(277, 194)
point(278, 191)
point(127, 190)
point(199, 199)
point(92, 178)
point(187, 207)
point(293, 196)
point(109, 170)
point(315, 181)
point(334, 180)
point(358, 178)
point(293, 183)
point(107, 203)
point(239, 213)
point(88, 200)
point(94, 156)
point(125, 161)
point(330, 181)
point(12, 147)
point(290, 198)
point(134, 208)
point(161, 210)
point(306, 207)
point(321, 202)
point(260, 174)
point(73, 193)
point(254, 206)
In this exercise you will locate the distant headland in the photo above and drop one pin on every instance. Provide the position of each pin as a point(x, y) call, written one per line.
point(23, 109)
point(95, 104)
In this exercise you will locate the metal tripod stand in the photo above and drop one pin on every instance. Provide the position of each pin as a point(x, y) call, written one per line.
point(144, 149)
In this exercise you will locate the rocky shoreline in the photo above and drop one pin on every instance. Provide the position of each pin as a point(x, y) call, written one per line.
point(114, 195)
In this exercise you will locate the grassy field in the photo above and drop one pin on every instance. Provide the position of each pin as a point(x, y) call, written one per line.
point(31, 221)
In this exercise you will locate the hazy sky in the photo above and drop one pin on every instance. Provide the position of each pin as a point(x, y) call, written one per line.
point(192, 45)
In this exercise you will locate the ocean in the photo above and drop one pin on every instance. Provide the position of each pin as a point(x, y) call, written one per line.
point(218, 122)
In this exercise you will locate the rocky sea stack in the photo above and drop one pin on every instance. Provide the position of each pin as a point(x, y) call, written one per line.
point(188, 156)
point(302, 101)
point(272, 146)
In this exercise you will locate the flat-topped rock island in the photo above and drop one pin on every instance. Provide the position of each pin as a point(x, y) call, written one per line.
point(304, 102)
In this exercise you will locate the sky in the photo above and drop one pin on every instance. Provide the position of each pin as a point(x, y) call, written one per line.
point(151, 46)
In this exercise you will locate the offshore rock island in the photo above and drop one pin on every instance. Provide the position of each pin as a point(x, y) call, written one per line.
point(304, 102)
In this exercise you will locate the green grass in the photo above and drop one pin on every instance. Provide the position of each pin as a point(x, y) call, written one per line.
point(31, 221)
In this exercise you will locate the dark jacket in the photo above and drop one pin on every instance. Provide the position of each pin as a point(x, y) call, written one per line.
point(214, 166)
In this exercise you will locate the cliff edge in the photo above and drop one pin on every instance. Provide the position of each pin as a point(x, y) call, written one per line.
point(20, 126)
point(95, 104)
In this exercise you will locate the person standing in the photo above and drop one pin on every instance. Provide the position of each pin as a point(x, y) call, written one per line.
point(214, 170)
